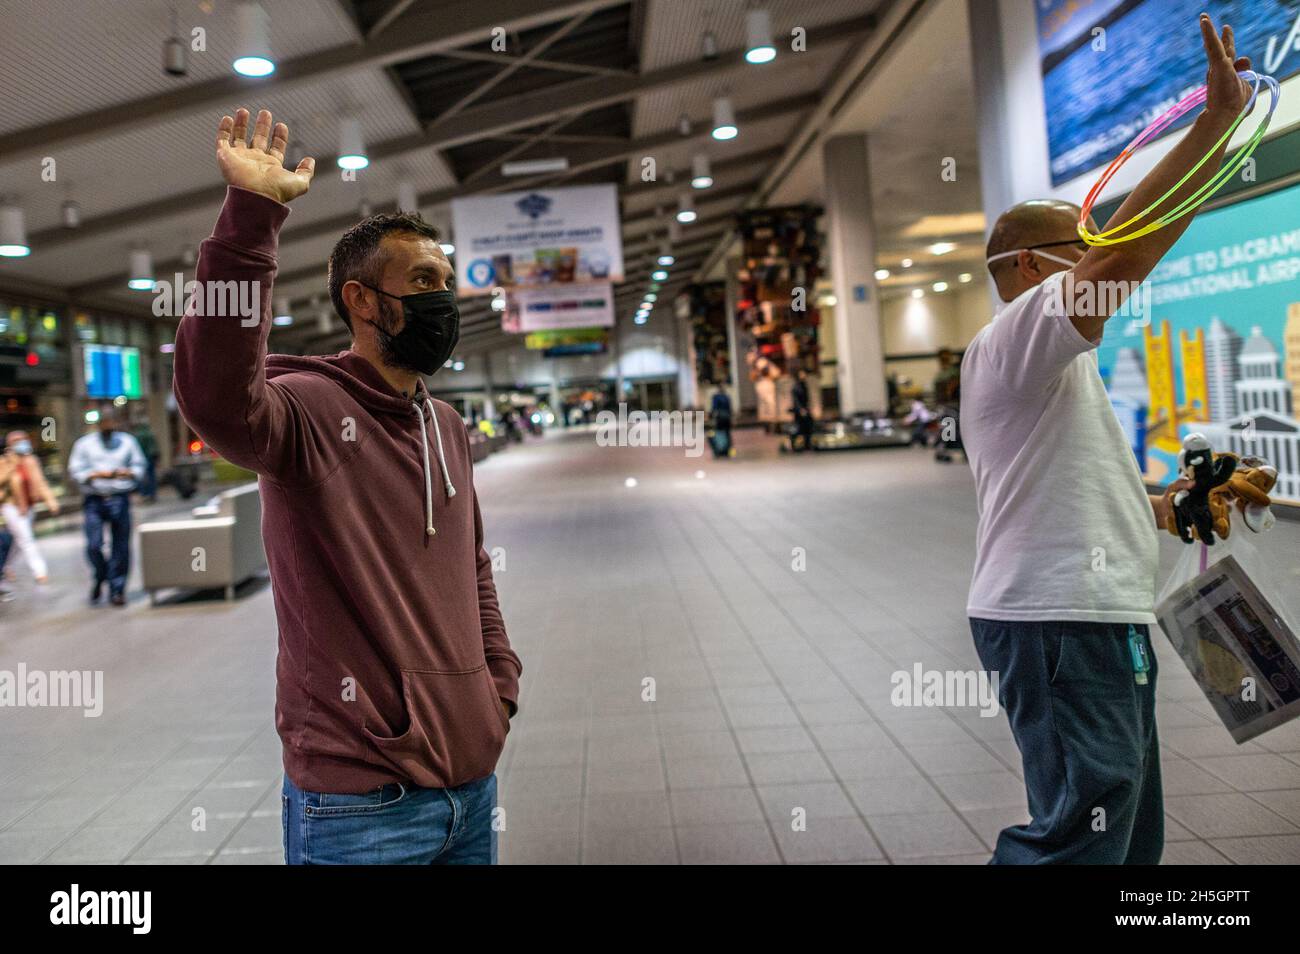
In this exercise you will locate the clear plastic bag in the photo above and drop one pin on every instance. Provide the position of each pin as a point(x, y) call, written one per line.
point(1230, 612)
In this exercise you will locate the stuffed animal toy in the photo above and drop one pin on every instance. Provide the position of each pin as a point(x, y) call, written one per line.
point(1191, 505)
point(1247, 489)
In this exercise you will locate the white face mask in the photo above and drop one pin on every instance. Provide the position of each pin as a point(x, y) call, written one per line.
point(1033, 251)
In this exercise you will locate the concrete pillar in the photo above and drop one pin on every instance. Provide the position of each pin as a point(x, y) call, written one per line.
point(859, 342)
point(743, 398)
point(553, 395)
point(616, 341)
point(683, 349)
point(989, 73)
point(489, 406)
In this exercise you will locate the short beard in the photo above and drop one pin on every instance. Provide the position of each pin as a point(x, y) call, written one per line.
point(388, 320)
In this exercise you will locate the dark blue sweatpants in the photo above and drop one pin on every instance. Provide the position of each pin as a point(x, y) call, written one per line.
point(1087, 736)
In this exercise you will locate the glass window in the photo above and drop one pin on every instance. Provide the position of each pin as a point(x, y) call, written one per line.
point(45, 326)
point(112, 331)
point(139, 334)
point(13, 324)
point(87, 329)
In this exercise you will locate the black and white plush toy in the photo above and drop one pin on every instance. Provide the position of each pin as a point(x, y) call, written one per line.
point(1197, 463)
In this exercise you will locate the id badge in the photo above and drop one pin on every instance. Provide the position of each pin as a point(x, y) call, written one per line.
point(1137, 648)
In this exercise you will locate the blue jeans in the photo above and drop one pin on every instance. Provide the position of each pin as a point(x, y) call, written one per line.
point(6, 541)
point(396, 824)
point(1086, 729)
point(114, 510)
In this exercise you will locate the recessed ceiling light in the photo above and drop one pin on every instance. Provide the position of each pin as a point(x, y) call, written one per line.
point(758, 30)
point(352, 147)
point(724, 119)
point(939, 226)
point(141, 278)
point(882, 274)
point(253, 49)
point(532, 167)
point(13, 232)
point(701, 175)
point(941, 248)
point(407, 198)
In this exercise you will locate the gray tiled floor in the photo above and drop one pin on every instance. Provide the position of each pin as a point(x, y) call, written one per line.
point(771, 737)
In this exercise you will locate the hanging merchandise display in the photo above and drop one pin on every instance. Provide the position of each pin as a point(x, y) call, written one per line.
point(775, 308)
point(706, 317)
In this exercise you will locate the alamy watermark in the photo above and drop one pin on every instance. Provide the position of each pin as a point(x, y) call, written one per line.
point(55, 688)
point(946, 688)
point(214, 299)
point(652, 429)
point(131, 909)
point(1093, 299)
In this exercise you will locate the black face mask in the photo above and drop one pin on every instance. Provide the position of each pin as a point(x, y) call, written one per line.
point(430, 334)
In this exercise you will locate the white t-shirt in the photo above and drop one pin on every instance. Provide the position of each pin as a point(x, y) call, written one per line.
point(1066, 530)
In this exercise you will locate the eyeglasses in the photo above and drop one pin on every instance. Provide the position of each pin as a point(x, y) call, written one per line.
point(1080, 244)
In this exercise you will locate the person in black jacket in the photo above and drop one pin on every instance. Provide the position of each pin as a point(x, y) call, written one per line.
point(802, 408)
point(720, 409)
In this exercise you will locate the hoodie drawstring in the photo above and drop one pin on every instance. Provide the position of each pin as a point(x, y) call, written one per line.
point(442, 462)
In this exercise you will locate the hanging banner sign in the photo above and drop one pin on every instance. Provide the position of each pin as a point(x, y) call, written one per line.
point(585, 305)
point(537, 239)
point(568, 342)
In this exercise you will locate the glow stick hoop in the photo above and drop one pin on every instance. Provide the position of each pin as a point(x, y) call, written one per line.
point(1193, 201)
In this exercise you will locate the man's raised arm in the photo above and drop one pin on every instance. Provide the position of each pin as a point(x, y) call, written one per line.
point(219, 375)
point(1131, 262)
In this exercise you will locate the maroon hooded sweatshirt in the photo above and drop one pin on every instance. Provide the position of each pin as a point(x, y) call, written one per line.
point(393, 658)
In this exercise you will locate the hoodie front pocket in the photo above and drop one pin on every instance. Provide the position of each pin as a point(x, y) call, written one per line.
point(456, 728)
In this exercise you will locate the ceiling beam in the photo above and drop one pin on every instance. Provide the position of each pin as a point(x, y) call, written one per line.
point(560, 65)
point(593, 157)
point(515, 64)
point(425, 31)
point(483, 122)
point(850, 75)
point(397, 8)
point(583, 95)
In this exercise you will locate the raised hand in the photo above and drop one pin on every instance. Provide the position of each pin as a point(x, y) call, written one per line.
point(259, 167)
point(1225, 92)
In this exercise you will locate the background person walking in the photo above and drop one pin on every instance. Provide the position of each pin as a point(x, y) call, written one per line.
point(107, 465)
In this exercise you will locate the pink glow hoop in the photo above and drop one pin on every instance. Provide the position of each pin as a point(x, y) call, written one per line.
point(1194, 201)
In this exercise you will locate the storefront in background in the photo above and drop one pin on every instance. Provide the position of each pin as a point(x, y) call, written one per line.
point(59, 364)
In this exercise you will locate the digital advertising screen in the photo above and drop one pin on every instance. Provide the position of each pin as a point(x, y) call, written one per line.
point(1110, 67)
point(111, 371)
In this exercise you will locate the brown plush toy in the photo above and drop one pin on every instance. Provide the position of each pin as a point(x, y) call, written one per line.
point(1247, 489)
point(1250, 485)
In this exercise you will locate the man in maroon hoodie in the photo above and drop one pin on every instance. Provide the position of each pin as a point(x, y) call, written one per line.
point(395, 680)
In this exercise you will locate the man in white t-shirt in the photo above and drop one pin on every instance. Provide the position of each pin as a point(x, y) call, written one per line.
point(1064, 582)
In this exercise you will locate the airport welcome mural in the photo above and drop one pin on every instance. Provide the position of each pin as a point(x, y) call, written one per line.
point(1219, 352)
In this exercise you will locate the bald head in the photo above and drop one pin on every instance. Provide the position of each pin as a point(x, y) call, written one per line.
point(1046, 224)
